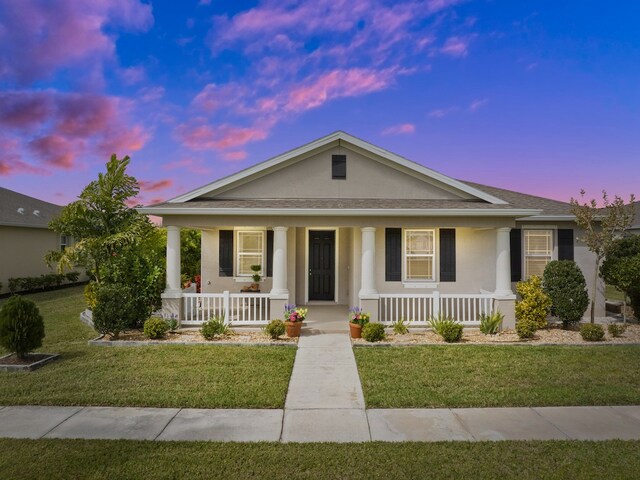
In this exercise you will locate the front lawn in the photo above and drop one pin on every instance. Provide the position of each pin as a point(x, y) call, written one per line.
point(156, 376)
point(499, 376)
point(97, 459)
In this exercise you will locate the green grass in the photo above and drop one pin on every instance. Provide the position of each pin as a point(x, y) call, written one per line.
point(499, 376)
point(159, 376)
point(98, 459)
point(612, 293)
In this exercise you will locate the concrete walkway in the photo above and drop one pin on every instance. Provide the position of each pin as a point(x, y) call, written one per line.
point(392, 425)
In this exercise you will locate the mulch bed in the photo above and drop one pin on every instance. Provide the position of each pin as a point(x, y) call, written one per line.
point(32, 361)
point(30, 358)
point(187, 336)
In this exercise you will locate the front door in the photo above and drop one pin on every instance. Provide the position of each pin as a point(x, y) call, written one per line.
point(322, 255)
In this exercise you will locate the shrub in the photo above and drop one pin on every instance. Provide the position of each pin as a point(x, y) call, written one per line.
point(447, 328)
point(621, 268)
point(13, 284)
point(172, 323)
point(72, 276)
point(373, 332)
point(534, 305)
point(90, 291)
point(275, 329)
point(616, 329)
point(400, 327)
point(490, 324)
point(155, 328)
point(526, 328)
point(565, 285)
point(592, 332)
point(214, 328)
point(21, 326)
point(117, 308)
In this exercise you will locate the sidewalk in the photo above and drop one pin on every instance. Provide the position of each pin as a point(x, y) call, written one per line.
point(393, 425)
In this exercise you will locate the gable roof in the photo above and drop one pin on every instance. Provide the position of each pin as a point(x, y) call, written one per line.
point(338, 138)
point(18, 210)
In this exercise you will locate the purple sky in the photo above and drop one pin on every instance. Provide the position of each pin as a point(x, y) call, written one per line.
point(540, 97)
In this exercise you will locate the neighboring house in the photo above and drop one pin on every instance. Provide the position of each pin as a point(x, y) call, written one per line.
point(24, 236)
point(342, 221)
point(635, 226)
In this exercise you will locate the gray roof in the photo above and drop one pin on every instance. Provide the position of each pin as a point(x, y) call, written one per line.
point(21, 210)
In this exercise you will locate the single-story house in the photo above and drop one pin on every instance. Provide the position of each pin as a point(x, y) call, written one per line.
point(25, 237)
point(341, 221)
point(635, 226)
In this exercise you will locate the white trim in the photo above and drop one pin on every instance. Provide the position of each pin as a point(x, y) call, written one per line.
point(339, 137)
point(345, 212)
point(236, 251)
point(336, 247)
point(409, 284)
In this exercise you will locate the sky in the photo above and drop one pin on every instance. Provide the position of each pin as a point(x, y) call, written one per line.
point(541, 97)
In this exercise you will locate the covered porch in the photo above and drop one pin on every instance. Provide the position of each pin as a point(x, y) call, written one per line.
point(330, 262)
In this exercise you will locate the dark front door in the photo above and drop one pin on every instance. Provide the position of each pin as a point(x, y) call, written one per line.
point(322, 255)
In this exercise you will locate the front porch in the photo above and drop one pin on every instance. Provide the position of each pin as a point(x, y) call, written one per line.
point(342, 266)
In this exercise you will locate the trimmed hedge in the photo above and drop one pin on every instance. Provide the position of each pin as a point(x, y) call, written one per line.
point(43, 282)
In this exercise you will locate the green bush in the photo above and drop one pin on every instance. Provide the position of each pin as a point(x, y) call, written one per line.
point(72, 277)
point(90, 292)
point(447, 328)
point(117, 308)
point(400, 327)
point(621, 269)
point(592, 332)
point(214, 328)
point(21, 326)
point(173, 323)
point(616, 329)
point(373, 332)
point(565, 285)
point(155, 328)
point(490, 324)
point(275, 329)
point(534, 305)
point(526, 328)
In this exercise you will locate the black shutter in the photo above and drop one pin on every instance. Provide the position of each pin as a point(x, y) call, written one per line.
point(269, 253)
point(447, 254)
point(393, 254)
point(515, 238)
point(225, 253)
point(565, 244)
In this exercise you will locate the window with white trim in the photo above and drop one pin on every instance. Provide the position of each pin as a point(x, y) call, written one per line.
point(64, 242)
point(538, 251)
point(250, 251)
point(419, 255)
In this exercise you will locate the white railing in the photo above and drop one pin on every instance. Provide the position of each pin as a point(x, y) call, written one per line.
point(418, 308)
point(235, 308)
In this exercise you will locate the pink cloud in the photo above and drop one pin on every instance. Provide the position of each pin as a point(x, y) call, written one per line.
point(455, 47)
point(400, 129)
point(154, 186)
point(47, 36)
point(56, 128)
point(476, 104)
point(11, 162)
point(442, 112)
point(188, 164)
point(151, 94)
point(208, 137)
point(214, 97)
point(235, 156)
point(133, 75)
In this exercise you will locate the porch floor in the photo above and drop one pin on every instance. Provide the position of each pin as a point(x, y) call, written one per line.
point(327, 318)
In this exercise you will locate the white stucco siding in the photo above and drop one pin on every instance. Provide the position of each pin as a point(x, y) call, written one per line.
point(366, 178)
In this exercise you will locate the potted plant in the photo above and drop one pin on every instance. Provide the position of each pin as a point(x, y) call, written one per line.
point(357, 319)
point(255, 286)
point(293, 318)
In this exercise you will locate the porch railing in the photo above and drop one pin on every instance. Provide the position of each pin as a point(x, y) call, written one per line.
point(418, 308)
point(235, 308)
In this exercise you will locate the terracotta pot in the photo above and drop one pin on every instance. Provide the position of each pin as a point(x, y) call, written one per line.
point(293, 329)
point(355, 330)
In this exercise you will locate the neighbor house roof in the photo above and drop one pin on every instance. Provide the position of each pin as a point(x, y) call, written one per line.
point(20, 210)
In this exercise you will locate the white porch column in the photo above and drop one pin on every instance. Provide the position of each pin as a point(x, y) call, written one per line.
point(504, 299)
point(368, 265)
point(173, 260)
point(503, 263)
point(279, 287)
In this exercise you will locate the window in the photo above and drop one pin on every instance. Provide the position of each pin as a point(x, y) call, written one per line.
point(339, 167)
point(64, 242)
point(419, 254)
point(538, 251)
point(250, 251)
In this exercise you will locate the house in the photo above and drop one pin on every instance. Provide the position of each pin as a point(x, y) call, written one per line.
point(635, 226)
point(341, 221)
point(24, 236)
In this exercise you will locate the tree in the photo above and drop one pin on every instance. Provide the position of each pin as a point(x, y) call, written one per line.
point(190, 252)
point(621, 269)
point(601, 226)
point(565, 285)
point(115, 243)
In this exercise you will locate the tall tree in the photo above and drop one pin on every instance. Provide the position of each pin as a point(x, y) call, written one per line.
point(601, 227)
